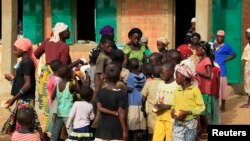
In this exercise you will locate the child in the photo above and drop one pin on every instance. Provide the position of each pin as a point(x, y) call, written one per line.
point(162, 45)
point(164, 98)
point(215, 118)
point(64, 96)
point(204, 72)
point(24, 85)
point(26, 118)
point(81, 114)
point(174, 56)
point(188, 104)
point(155, 58)
point(119, 58)
point(147, 70)
point(112, 104)
point(136, 81)
point(92, 61)
point(149, 98)
point(103, 59)
point(51, 85)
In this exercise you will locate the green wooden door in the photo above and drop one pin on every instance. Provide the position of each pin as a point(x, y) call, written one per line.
point(33, 20)
point(61, 11)
point(105, 15)
point(226, 15)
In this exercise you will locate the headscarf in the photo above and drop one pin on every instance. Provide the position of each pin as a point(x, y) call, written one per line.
point(106, 30)
point(220, 33)
point(26, 45)
point(184, 70)
point(185, 51)
point(144, 39)
point(248, 30)
point(164, 40)
point(193, 20)
point(59, 27)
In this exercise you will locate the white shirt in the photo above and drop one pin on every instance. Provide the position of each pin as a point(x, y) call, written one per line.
point(81, 114)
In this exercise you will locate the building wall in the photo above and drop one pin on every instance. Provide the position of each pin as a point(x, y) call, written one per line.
point(151, 16)
point(245, 20)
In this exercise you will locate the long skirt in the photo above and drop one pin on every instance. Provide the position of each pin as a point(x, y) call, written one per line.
point(247, 77)
point(11, 124)
point(43, 104)
point(136, 120)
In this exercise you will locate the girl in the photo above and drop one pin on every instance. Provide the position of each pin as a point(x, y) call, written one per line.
point(204, 72)
point(81, 115)
point(64, 96)
point(187, 105)
point(144, 41)
point(135, 83)
point(215, 118)
point(24, 85)
point(112, 104)
point(26, 118)
point(134, 49)
point(164, 97)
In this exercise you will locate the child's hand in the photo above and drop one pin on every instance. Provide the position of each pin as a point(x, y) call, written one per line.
point(182, 115)
point(173, 114)
point(9, 77)
point(125, 135)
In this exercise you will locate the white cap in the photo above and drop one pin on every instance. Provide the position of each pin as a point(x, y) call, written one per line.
point(193, 20)
point(248, 30)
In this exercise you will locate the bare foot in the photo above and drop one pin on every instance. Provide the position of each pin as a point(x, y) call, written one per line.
point(245, 105)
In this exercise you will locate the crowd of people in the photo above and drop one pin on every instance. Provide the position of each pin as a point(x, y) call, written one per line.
point(172, 94)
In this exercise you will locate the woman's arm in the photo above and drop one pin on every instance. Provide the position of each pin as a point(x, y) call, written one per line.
point(208, 73)
point(26, 86)
point(230, 57)
point(40, 50)
point(125, 62)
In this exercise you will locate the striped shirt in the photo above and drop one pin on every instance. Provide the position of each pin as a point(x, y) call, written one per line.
point(53, 51)
point(16, 136)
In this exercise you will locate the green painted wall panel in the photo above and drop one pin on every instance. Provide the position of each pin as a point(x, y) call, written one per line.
point(61, 11)
point(105, 15)
point(33, 27)
point(226, 15)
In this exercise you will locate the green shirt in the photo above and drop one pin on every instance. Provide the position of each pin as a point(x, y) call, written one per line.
point(138, 54)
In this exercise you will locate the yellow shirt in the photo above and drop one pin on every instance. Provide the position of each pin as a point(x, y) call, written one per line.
point(246, 53)
point(189, 99)
point(165, 95)
point(149, 91)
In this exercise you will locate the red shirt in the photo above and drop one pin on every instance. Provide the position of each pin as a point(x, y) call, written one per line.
point(215, 81)
point(53, 51)
point(205, 83)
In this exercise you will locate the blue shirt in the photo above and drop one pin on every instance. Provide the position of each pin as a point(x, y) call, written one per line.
point(136, 82)
point(220, 55)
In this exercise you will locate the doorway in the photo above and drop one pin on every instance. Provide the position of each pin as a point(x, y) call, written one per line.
point(85, 20)
point(184, 12)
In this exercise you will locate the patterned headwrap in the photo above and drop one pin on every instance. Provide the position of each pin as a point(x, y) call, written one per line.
point(26, 45)
point(106, 30)
point(220, 33)
point(248, 30)
point(164, 40)
point(184, 70)
point(59, 27)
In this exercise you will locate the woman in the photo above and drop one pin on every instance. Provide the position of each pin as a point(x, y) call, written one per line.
point(134, 49)
point(55, 48)
point(223, 53)
point(162, 45)
point(24, 85)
